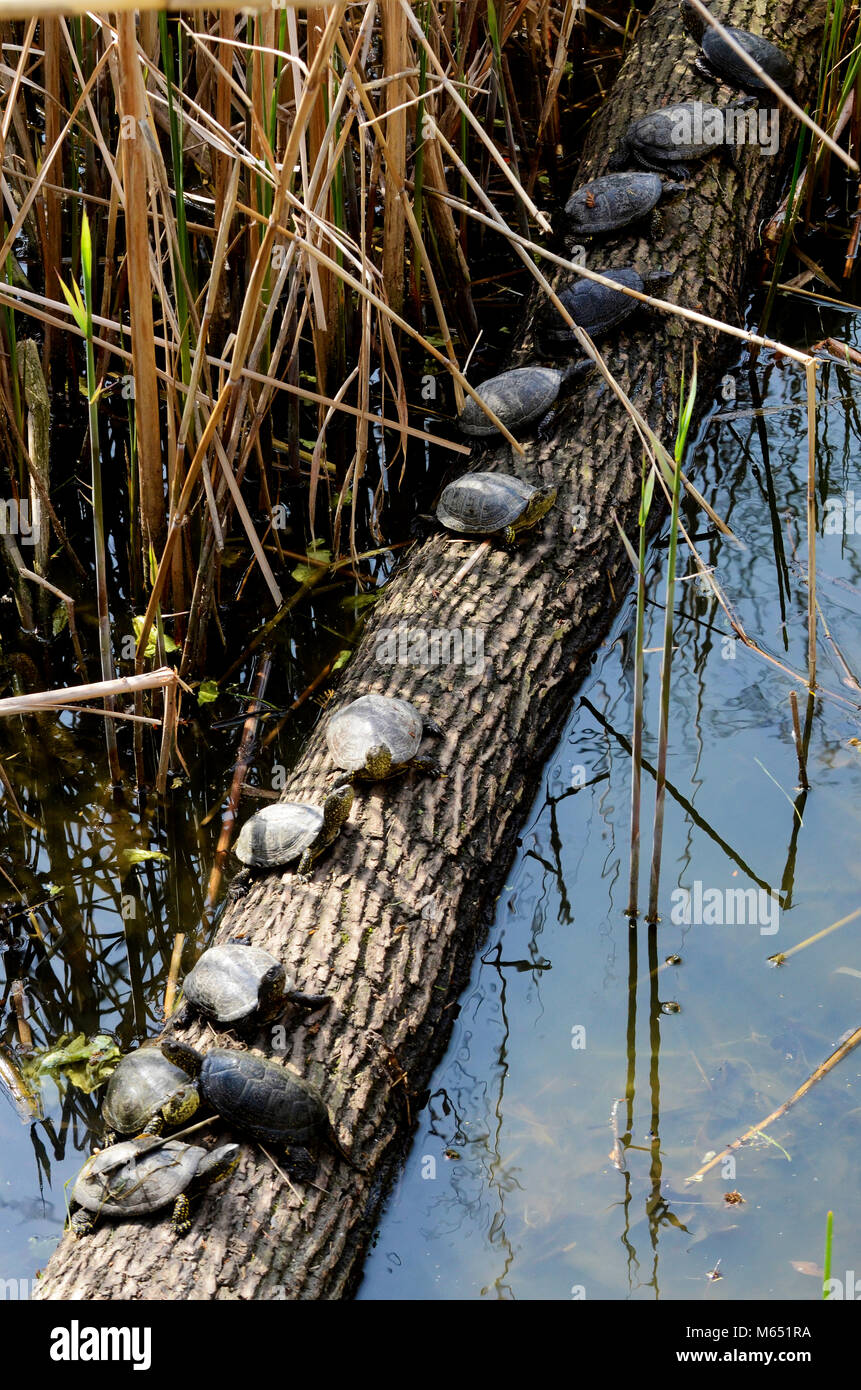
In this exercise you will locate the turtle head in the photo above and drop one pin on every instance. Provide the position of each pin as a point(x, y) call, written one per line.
point(337, 806)
point(182, 1104)
point(219, 1163)
point(182, 1056)
point(378, 762)
point(539, 505)
point(692, 21)
point(270, 995)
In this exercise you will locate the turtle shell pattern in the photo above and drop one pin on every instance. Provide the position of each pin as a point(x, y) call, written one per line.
point(656, 136)
point(611, 202)
point(258, 1096)
point(729, 64)
point(372, 720)
point(516, 397)
point(278, 834)
point(483, 503)
point(139, 1086)
point(596, 308)
point(225, 982)
point(120, 1181)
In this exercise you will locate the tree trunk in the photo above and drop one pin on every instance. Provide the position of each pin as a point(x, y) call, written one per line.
point(390, 921)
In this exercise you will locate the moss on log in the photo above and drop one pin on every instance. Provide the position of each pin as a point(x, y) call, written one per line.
point(389, 923)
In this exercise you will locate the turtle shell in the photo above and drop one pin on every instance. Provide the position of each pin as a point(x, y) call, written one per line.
point(611, 202)
point(139, 1087)
point(595, 308)
point(123, 1181)
point(370, 721)
point(278, 834)
point(260, 1097)
point(516, 397)
point(484, 503)
point(226, 981)
point(770, 58)
point(688, 130)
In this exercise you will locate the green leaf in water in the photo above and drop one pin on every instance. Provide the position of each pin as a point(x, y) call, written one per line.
point(130, 857)
point(207, 692)
point(86, 1062)
point(341, 660)
point(169, 644)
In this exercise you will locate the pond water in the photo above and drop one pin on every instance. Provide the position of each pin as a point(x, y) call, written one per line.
point(570, 1107)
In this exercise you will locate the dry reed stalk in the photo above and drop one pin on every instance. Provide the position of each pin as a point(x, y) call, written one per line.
point(396, 57)
point(96, 690)
point(132, 103)
point(173, 974)
point(247, 746)
point(53, 202)
point(825, 1067)
point(811, 523)
point(168, 738)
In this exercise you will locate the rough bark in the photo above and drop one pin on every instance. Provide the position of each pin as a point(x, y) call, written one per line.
point(390, 921)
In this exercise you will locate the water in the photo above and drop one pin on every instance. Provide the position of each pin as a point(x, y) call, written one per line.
point(572, 1108)
point(569, 1108)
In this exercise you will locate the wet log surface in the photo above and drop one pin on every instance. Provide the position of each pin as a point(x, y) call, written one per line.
point(390, 921)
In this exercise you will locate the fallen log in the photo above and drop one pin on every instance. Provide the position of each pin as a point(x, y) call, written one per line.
point(389, 923)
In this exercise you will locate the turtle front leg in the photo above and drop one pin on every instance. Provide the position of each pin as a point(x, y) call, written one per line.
point(239, 885)
point(308, 1001)
point(81, 1223)
point(180, 1220)
point(428, 765)
point(705, 69)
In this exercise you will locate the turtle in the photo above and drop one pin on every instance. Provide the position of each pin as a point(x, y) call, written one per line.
point(493, 504)
point(662, 140)
point(143, 1175)
point(290, 830)
point(145, 1093)
point(614, 201)
point(596, 308)
point(271, 1104)
point(718, 62)
point(518, 397)
point(378, 736)
point(238, 984)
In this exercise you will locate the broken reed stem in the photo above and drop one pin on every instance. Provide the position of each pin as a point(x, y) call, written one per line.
point(97, 690)
point(811, 522)
point(247, 746)
point(754, 1130)
point(168, 738)
point(173, 974)
point(799, 747)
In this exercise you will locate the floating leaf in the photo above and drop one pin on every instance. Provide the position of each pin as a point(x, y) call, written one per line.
point(207, 692)
point(318, 555)
point(139, 856)
point(86, 1062)
point(59, 619)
